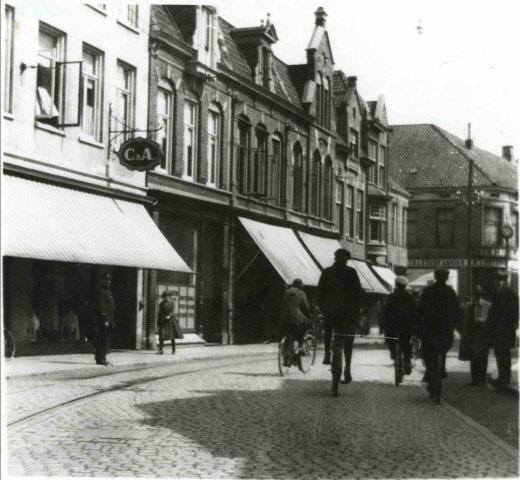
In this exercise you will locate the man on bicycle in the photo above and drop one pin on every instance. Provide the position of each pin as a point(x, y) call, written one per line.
point(438, 313)
point(339, 298)
point(399, 315)
point(295, 314)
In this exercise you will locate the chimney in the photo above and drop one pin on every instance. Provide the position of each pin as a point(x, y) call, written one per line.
point(320, 17)
point(351, 81)
point(469, 142)
point(507, 152)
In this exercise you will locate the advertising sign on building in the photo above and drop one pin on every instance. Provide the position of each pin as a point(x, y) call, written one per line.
point(140, 154)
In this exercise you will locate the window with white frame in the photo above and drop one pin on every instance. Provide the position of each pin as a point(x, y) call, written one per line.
point(492, 224)
point(360, 230)
point(190, 138)
point(381, 166)
point(377, 224)
point(92, 92)
point(214, 125)
point(8, 58)
point(349, 204)
point(49, 78)
point(165, 106)
point(125, 99)
point(340, 195)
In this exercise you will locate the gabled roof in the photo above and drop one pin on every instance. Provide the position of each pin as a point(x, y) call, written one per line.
point(426, 156)
point(316, 38)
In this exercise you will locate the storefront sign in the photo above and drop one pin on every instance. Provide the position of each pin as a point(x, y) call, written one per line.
point(489, 252)
point(140, 154)
point(437, 262)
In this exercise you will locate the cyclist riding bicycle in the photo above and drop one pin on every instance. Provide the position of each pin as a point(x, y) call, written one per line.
point(438, 313)
point(399, 314)
point(295, 314)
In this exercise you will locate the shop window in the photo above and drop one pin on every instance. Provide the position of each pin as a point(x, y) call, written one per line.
point(360, 204)
point(165, 122)
point(411, 226)
point(8, 58)
point(125, 99)
point(214, 128)
point(297, 177)
point(340, 217)
point(445, 228)
point(92, 71)
point(492, 223)
point(315, 184)
point(349, 204)
point(190, 138)
point(327, 189)
point(377, 224)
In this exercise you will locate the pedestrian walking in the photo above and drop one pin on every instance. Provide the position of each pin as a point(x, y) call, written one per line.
point(399, 316)
point(105, 324)
point(166, 321)
point(295, 313)
point(438, 313)
point(339, 298)
point(503, 320)
point(477, 336)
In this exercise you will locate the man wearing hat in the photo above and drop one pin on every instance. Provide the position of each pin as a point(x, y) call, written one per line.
point(166, 321)
point(503, 320)
point(438, 313)
point(339, 298)
point(398, 318)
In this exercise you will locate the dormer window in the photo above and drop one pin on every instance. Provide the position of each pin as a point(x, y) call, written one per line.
point(207, 36)
point(263, 77)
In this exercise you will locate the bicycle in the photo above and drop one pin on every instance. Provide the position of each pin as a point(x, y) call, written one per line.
point(9, 344)
point(303, 356)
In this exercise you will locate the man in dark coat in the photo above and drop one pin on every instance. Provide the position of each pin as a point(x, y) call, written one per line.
point(105, 320)
point(165, 320)
point(339, 298)
point(438, 313)
point(503, 320)
point(399, 315)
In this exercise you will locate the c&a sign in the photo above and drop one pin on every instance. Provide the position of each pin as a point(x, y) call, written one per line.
point(140, 154)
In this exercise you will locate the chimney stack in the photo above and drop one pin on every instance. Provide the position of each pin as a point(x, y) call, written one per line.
point(469, 142)
point(351, 81)
point(507, 152)
point(320, 17)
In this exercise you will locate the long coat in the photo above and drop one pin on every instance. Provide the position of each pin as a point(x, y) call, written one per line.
point(106, 306)
point(339, 293)
point(295, 307)
point(503, 317)
point(165, 318)
point(399, 314)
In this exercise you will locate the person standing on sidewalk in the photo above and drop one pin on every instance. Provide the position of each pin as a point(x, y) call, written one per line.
point(477, 336)
point(339, 298)
point(503, 321)
point(105, 320)
point(438, 313)
point(399, 315)
point(165, 320)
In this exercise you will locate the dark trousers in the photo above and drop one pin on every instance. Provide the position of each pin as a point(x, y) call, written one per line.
point(102, 345)
point(478, 363)
point(166, 331)
point(348, 344)
point(503, 356)
point(434, 353)
point(406, 348)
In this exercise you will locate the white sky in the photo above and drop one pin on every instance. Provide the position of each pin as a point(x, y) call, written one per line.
point(464, 67)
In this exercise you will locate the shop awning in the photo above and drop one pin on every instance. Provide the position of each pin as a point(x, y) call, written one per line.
point(285, 252)
point(385, 274)
point(50, 222)
point(368, 280)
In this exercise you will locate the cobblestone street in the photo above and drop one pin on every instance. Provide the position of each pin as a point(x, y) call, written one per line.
point(237, 418)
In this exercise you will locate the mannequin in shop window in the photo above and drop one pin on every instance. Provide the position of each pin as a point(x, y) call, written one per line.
point(105, 320)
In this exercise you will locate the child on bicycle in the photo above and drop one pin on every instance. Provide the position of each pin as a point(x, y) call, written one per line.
point(399, 316)
point(295, 313)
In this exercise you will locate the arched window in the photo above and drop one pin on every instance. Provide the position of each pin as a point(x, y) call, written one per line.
point(165, 124)
point(319, 97)
point(214, 144)
point(257, 172)
point(243, 153)
point(276, 170)
point(297, 177)
point(315, 183)
point(327, 189)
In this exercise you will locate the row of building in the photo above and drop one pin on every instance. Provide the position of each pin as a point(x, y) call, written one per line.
point(267, 169)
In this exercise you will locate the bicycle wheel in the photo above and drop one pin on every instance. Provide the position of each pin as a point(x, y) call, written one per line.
point(308, 356)
point(283, 369)
point(9, 347)
point(336, 363)
point(398, 363)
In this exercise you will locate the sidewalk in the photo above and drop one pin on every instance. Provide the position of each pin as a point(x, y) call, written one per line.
point(127, 359)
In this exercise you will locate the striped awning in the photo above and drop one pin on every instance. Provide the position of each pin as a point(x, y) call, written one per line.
point(51, 222)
